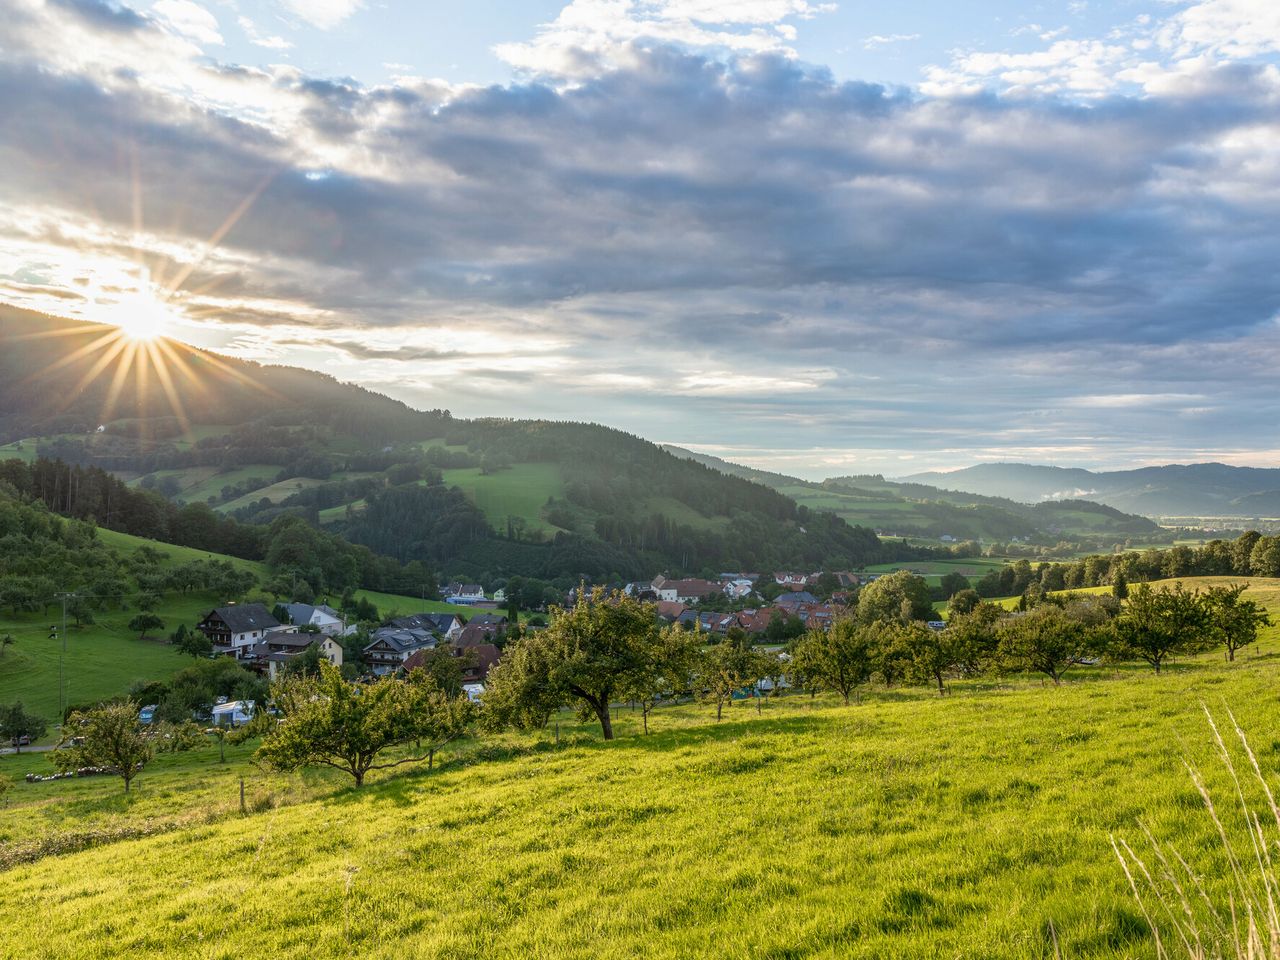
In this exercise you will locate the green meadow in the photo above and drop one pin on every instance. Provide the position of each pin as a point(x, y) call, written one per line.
point(105, 658)
point(520, 490)
point(908, 825)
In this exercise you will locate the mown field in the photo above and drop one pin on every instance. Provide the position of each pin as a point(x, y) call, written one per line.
point(975, 825)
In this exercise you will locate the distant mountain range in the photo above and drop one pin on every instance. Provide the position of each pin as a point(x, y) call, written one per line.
point(920, 510)
point(1173, 490)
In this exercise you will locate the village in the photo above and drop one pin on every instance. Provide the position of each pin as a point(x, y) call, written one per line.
point(267, 640)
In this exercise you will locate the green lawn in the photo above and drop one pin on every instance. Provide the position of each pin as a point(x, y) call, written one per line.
point(518, 491)
point(908, 826)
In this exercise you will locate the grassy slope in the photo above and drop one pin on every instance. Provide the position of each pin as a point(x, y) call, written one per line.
point(518, 491)
point(906, 826)
point(104, 659)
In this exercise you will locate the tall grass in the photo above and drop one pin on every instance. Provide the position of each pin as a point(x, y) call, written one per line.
point(1190, 917)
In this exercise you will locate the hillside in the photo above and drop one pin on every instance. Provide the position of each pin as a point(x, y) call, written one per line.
point(483, 499)
point(906, 826)
point(919, 510)
point(1172, 490)
point(104, 658)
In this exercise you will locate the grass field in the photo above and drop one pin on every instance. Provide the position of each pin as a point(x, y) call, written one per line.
point(103, 659)
point(274, 492)
point(24, 450)
point(518, 491)
point(198, 484)
point(975, 825)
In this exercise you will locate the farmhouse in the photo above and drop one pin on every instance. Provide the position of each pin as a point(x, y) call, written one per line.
point(463, 593)
point(330, 621)
point(392, 646)
point(685, 591)
point(235, 628)
point(278, 647)
point(796, 598)
point(445, 625)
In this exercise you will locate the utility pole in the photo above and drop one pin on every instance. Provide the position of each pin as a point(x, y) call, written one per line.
point(62, 654)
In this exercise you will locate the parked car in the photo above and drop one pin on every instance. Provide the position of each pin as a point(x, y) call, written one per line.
point(22, 741)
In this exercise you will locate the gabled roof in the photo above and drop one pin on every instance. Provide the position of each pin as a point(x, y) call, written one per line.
point(670, 609)
point(302, 613)
point(796, 598)
point(435, 622)
point(474, 634)
point(402, 641)
point(487, 619)
point(244, 617)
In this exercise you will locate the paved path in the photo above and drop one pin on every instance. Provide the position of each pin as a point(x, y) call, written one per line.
point(37, 749)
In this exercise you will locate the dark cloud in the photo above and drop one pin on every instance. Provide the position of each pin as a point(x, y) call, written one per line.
point(758, 218)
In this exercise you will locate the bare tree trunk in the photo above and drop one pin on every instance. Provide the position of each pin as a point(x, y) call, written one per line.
point(606, 721)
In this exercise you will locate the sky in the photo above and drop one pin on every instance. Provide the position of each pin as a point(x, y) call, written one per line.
point(825, 238)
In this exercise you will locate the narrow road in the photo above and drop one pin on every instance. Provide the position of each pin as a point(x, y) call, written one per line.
point(37, 749)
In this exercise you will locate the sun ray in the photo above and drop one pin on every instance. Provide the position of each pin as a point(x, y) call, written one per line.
point(216, 237)
point(72, 357)
point(117, 381)
point(109, 354)
point(166, 384)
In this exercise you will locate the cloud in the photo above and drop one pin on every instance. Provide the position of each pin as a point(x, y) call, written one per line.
point(883, 40)
point(713, 244)
point(259, 39)
point(322, 14)
point(189, 20)
point(590, 36)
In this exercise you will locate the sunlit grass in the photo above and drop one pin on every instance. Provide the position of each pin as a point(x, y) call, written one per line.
point(908, 826)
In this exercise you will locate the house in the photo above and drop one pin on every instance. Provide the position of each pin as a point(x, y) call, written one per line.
point(685, 591)
point(478, 660)
point(474, 634)
point(235, 628)
point(718, 623)
point(670, 610)
point(330, 621)
point(445, 625)
point(234, 714)
point(787, 578)
point(278, 647)
point(390, 647)
point(737, 588)
point(495, 620)
point(796, 598)
point(463, 593)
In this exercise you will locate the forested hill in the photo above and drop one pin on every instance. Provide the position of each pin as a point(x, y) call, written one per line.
point(60, 376)
point(1171, 490)
point(915, 509)
point(481, 499)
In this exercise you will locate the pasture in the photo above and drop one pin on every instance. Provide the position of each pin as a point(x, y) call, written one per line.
point(904, 826)
point(521, 490)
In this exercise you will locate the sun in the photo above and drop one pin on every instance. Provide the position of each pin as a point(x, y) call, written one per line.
point(140, 317)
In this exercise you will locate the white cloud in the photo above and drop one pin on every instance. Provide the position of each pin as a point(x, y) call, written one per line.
point(258, 38)
point(881, 40)
point(1229, 28)
point(189, 19)
point(323, 14)
point(591, 35)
